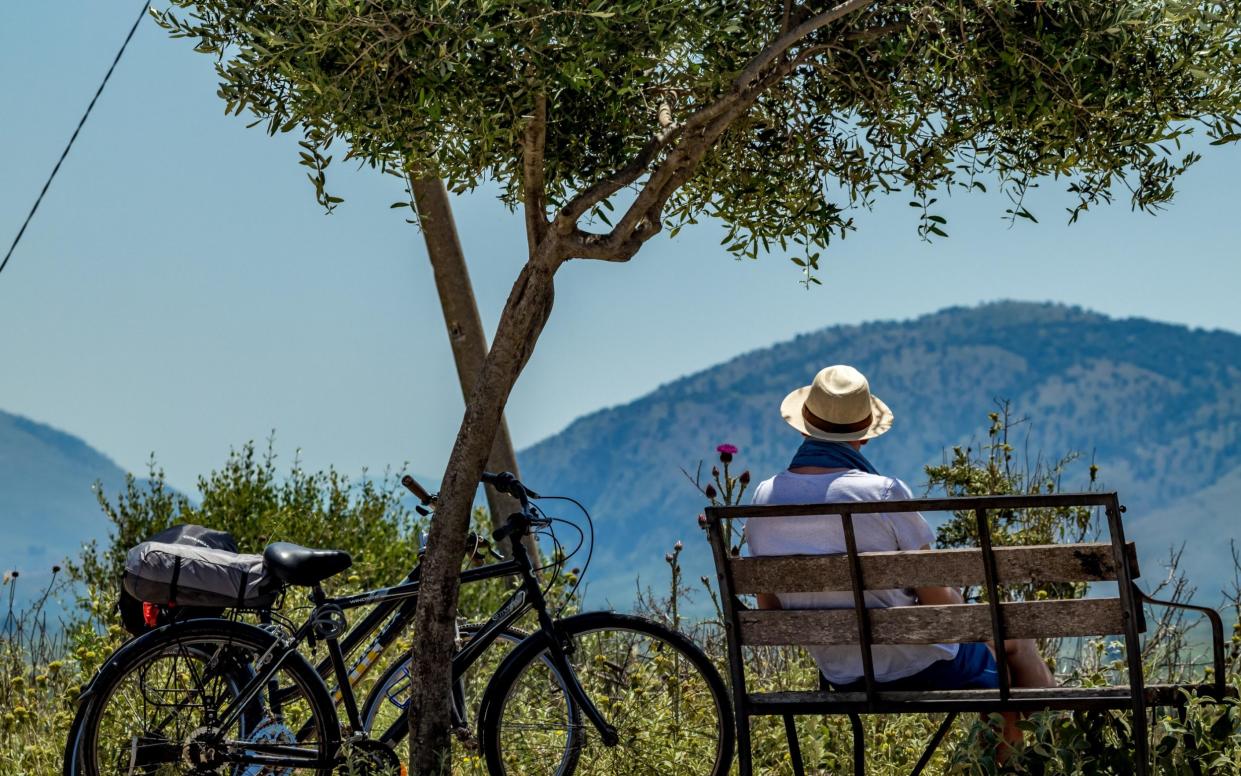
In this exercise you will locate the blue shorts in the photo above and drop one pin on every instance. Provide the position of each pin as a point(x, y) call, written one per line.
point(972, 669)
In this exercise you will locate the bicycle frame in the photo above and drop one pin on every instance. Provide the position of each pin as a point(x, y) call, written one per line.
point(528, 596)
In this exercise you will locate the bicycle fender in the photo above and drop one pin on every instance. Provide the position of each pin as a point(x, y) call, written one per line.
point(119, 657)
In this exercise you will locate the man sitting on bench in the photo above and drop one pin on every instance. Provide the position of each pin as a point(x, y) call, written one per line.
point(837, 415)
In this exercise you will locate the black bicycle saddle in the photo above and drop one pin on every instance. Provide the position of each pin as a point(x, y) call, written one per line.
point(299, 565)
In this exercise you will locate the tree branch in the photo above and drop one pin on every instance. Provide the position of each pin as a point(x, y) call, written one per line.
point(780, 45)
point(709, 124)
point(567, 219)
point(533, 181)
point(696, 137)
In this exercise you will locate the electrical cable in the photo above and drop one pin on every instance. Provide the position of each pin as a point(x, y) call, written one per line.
point(590, 550)
point(38, 200)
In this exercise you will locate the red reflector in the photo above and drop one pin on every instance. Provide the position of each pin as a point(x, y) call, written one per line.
point(150, 614)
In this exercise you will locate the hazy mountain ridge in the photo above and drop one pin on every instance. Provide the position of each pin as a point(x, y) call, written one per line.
point(1158, 405)
point(47, 501)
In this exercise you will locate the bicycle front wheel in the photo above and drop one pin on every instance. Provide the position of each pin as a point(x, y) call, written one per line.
point(663, 696)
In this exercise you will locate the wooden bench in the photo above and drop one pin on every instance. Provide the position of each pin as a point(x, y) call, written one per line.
point(987, 567)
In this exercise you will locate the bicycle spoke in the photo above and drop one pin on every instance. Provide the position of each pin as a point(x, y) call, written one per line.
point(668, 716)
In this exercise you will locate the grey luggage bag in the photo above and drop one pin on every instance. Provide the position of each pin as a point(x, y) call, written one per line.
point(189, 575)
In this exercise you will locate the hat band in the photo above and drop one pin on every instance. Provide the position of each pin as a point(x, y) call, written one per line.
point(835, 428)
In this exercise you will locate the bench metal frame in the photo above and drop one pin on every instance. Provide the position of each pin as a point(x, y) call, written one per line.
point(1135, 695)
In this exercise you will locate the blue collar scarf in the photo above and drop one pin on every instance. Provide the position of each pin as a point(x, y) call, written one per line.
point(830, 455)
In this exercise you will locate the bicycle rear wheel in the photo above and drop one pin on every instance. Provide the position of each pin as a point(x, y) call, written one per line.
point(156, 708)
point(383, 712)
point(667, 702)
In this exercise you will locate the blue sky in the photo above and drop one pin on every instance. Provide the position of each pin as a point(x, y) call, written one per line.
point(180, 292)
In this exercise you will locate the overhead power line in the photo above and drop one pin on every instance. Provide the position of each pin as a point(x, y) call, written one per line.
point(146, 4)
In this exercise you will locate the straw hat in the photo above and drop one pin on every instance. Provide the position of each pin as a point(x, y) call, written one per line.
point(837, 407)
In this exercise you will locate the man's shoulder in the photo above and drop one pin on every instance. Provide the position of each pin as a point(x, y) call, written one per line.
point(879, 487)
point(848, 486)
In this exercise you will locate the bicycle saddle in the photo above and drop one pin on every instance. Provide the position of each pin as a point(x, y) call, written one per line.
point(298, 565)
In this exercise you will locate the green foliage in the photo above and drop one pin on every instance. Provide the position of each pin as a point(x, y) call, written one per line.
point(997, 469)
point(252, 500)
point(919, 96)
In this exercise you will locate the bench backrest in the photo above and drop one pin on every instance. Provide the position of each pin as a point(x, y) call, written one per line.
point(929, 624)
point(987, 567)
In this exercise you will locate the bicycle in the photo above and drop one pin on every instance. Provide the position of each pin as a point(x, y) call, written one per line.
point(176, 701)
point(391, 617)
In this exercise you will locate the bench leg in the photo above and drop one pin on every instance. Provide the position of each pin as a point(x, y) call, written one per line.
point(790, 732)
point(859, 745)
point(745, 756)
point(934, 743)
point(1141, 738)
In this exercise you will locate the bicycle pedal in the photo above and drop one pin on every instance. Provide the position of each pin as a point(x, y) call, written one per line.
point(466, 737)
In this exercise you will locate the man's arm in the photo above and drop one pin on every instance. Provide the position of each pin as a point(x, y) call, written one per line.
point(932, 596)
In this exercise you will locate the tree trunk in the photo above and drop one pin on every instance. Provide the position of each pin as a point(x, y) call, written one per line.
point(526, 311)
point(465, 327)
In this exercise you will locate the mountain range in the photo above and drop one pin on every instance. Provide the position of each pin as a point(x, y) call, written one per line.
point(47, 498)
point(1156, 406)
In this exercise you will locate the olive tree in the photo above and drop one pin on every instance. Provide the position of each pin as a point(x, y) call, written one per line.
point(605, 122)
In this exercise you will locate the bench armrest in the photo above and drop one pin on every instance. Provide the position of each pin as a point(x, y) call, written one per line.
point(1217, 632)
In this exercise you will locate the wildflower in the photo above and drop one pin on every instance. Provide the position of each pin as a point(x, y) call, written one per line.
point(678, 546)
point(702, 520)
point(668, 557)
point(726, 452)
point(715, 471)
point(55, 569)
point(710, 491)
point(744, 479)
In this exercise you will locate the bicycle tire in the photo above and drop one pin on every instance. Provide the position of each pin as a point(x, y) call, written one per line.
point(395, 674)
point(658, 661)
point(128, 669)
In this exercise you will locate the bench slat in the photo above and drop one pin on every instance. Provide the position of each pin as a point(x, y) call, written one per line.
point(956, 623)
point(1156, 694)
point(925, 568)
point(888, 701)
point(907, 696)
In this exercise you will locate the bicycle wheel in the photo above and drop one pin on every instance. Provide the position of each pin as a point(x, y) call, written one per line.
point(156, 708)
point(383, 713)
point(667, 702)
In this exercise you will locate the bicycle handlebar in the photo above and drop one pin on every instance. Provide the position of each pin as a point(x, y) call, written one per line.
point(420, 492)
point(518, 523)
point(507, 482)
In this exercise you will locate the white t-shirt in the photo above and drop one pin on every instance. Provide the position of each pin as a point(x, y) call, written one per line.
point(823, 535)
